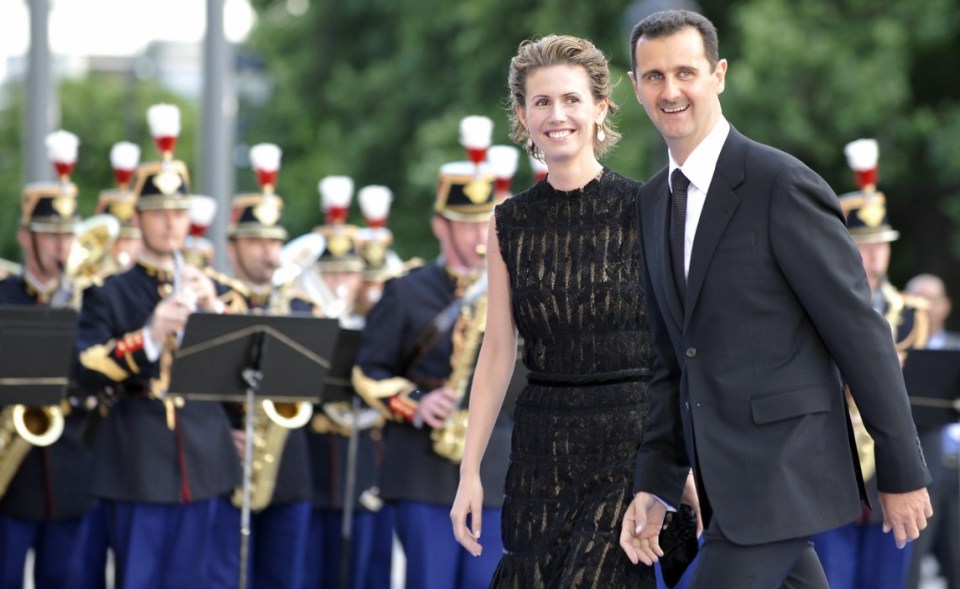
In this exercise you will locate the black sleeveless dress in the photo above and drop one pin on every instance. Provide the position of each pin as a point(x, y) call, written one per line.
point(575, 267)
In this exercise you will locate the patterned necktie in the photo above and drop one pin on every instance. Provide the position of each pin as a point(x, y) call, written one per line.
point(678, 221)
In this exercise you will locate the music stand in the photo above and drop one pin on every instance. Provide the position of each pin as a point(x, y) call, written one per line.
point(234, 357)
point(338, 387)
point(26, 377)
point(932, 378)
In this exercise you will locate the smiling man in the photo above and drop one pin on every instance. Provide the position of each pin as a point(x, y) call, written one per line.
point(760, 312)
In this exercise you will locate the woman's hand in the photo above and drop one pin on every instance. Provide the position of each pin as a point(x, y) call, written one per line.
point(469, 502)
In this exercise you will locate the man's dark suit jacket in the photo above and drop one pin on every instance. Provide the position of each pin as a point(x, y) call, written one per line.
point(749, 371)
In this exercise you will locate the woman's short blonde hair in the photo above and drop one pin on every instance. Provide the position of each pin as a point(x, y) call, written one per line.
point(561, 50)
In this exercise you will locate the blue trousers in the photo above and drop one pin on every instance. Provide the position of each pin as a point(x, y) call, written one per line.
point(434, 558)
point(59, 548)
point(371, 549)
point(861, 556)
point(162, 546)
point(276, 549)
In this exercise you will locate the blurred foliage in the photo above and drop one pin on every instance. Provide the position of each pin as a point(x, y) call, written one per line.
point(101, 110)
point(375, 89)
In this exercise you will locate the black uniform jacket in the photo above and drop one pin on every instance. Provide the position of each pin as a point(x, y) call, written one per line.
point(52, 483)
point(412, 471)
point(137, 457)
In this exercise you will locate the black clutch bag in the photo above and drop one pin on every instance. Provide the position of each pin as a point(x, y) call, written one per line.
point(678, 540)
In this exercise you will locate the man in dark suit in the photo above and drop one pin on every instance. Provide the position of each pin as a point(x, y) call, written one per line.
point(759, 319)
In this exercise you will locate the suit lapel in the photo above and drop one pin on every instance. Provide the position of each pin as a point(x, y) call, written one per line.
point(718, 209)
point(656, 218)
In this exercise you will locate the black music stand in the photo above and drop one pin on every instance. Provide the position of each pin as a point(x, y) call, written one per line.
point(932, 378)
point(338, 387)
point(235, 357)
point(26, 376)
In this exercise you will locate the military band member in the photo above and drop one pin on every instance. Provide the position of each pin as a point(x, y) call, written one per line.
point(279, 518)
point(405, 358)
point(340, 268)
point(45, 503)
point(159, 462)
point(860, 554)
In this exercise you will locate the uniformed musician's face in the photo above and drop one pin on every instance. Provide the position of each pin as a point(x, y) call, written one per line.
point(876, 262)
point(164, 230)
point(46, 253)
point(255, 259)
point(461, 242)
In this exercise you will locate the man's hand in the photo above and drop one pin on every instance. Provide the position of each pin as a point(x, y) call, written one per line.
point(640, 533)
point(200, 287)
point(906, 514)
point(169, 316)
point(436, 406)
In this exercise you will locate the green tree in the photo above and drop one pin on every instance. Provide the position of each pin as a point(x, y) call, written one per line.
point(101, 110)
point(811, 76)
point(375, 90)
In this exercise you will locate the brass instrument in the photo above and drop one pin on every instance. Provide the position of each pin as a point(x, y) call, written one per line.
point(865, 443)
point(449, 440)
point(915, 339)
point(23, 426)
point(88, 261)
point(20, 428)
point(272, 422)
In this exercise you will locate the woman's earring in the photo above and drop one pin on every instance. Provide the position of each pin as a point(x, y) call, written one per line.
point(601, 136)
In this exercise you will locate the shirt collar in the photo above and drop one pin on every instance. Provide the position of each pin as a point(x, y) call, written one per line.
point(702, 162)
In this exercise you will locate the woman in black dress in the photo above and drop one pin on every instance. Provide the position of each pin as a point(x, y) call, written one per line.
point(565, 272)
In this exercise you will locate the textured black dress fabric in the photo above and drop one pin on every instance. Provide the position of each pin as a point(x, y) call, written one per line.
point(574, 264)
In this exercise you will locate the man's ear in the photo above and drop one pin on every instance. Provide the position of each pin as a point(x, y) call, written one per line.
point(23, 238)
point(440, 227)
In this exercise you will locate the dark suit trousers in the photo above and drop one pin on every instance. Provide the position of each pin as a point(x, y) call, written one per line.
point(791, 564)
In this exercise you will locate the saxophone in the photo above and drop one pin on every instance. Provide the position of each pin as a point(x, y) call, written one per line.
point(449, 440)
point(272, 421)
point(915, 339)
point(25, 426)
point(22, 427)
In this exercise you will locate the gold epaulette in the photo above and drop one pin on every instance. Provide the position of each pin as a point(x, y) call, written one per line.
point(389, 396)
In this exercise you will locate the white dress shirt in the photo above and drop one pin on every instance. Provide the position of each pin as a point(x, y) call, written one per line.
point(699, 169)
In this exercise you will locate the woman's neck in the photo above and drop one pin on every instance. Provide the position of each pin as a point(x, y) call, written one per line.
point(567, 176)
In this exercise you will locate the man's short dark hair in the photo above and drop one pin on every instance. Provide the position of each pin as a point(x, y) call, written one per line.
point(668, 22)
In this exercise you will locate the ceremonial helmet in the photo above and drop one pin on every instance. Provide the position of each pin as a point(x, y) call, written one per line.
point(51, 207)
point(866, 208)
point(341, 253)
point(164, 184)
point(121, 202)
point(258, 214)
